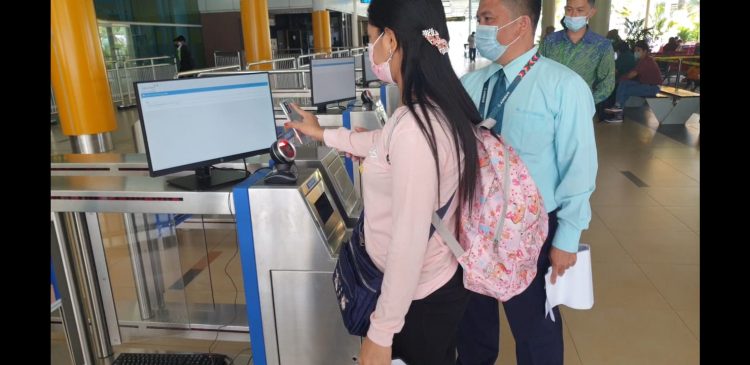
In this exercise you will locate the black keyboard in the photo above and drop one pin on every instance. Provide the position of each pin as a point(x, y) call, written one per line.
point(171, 359)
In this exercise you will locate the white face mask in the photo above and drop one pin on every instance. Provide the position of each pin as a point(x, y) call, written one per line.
point(575, 23)
point(488, 45)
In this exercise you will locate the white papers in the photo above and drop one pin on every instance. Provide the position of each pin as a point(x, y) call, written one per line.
point(575, 288)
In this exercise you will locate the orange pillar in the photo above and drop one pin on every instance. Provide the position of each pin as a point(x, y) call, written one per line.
point(256, 32)
point(327, 42)
point(321, 30)
point(79, 78)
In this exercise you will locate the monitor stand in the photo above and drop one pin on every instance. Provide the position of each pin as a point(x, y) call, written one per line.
point(282, 174)
point(206, 179)
point(323, 109)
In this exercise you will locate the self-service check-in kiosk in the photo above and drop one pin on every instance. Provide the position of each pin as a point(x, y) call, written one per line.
point(336, 177)
point(289, 237)
point(289, 240)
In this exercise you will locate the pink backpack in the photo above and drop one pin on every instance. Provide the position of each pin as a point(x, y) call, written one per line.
point(500, 241)
point(502, 238)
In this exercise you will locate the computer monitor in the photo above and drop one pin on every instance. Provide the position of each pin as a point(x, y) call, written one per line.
point(367, 74)
point(333, 80)
point(193, 123)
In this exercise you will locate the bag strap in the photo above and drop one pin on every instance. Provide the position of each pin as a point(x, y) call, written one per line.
point(440, 213)
point(447, 236)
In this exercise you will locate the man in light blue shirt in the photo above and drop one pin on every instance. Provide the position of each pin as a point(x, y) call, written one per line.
point(547, 118)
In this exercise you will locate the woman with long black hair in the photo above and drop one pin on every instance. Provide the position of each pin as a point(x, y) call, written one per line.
point(424, 157)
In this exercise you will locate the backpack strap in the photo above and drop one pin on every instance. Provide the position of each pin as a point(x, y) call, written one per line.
point(487, 123)
point(440, 213)
point(447, 236)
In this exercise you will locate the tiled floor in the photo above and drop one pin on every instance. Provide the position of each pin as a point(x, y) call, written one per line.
point(644, 236)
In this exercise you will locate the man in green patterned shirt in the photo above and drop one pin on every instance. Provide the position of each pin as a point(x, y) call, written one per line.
point(588, 54)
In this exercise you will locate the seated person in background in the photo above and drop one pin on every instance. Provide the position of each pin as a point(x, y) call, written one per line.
point(670, 47)
point(624, 63)
point(614, 36)
point(643, 80)
point(679, 45)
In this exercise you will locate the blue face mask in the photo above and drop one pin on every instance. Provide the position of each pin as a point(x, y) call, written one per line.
point(487, 43)
point(575, 23)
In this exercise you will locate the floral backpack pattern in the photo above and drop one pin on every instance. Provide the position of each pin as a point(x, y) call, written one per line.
point(501, 238)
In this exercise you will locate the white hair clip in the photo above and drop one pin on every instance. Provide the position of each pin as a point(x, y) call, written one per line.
point(433, 37)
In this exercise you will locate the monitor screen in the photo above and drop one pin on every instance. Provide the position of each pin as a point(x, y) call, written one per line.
point(332, 80)
point(367, 69)
point(192, 123)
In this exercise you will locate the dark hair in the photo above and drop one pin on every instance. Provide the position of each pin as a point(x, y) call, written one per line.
point(429, 82)
point(532, 8)
point(621, 46)
point(179, 38)
point(591, 3)
point(642, 44)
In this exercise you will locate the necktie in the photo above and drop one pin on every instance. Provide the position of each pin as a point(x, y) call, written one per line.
point(494, 110)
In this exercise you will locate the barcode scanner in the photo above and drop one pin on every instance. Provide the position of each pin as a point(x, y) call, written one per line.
point(283, 153)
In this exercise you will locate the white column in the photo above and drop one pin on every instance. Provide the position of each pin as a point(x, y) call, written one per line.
point(548, 15)
point(600, 22)
point(356, 39)
point(471, 16)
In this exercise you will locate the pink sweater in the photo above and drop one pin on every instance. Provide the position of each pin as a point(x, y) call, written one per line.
point(399, 199)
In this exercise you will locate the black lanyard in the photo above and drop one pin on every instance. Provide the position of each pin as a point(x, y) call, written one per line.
point(512, 86)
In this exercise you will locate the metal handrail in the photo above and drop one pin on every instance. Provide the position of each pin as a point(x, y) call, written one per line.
point(205, 70)
point(293, 59)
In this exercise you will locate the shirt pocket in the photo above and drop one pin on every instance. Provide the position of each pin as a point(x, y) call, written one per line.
point(535, 132)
